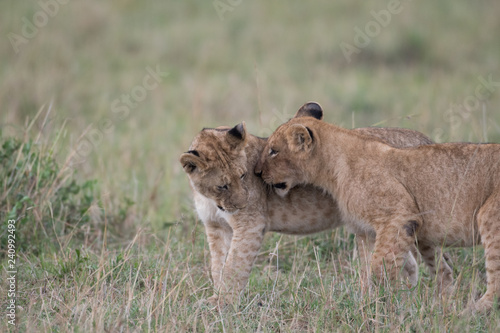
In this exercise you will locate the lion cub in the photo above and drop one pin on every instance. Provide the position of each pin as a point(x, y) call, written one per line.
point(237, 208)
point(431, 195)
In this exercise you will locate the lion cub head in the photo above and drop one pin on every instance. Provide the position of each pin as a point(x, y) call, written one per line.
point(287, 150)
point(216, 164)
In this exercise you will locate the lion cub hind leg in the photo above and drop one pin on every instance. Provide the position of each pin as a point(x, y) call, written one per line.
point(488, 220)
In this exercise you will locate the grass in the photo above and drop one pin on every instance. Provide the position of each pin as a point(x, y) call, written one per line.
point(107, 236)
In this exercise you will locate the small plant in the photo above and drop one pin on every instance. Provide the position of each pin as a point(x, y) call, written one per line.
point(37, 193)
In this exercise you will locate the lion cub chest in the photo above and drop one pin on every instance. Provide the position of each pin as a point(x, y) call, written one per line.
point(207, 209)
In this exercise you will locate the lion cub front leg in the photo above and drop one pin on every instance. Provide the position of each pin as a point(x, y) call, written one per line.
point(365, 245)
point(393, 244)
point(364, 249)
point(245, 245)
point(438, 266)
point(219, 235)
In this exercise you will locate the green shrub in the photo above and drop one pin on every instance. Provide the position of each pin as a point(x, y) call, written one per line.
point(50, 207)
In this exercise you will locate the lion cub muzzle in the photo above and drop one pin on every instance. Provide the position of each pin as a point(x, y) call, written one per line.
point(280, 186)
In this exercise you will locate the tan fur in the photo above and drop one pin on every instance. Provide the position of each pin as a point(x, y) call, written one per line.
point(251, 208)
point(434, 195)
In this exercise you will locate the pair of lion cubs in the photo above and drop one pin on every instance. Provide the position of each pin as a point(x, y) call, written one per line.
point(393, 188)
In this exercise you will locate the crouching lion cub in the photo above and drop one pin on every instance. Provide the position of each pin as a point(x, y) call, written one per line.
point(431, 195)
point(237, 208)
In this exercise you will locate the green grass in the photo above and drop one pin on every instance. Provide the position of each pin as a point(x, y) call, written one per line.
point(109, 241)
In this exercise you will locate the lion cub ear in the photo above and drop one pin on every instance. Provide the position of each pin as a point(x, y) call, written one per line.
point(191, 161)
point(299, 138)
point(311, 109)
point(237, 136)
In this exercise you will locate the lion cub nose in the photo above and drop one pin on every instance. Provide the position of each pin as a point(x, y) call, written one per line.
point(258, 169)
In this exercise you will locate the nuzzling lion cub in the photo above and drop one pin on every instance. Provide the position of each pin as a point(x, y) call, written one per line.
point(431, 195)
point(237, 208)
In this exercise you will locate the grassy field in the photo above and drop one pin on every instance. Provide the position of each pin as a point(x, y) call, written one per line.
point(98, 100)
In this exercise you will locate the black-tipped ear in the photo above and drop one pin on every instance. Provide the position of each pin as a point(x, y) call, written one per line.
point(310, 133)
point(237, 135)
point(311, 109)
point(299, 138)
point(191, 161)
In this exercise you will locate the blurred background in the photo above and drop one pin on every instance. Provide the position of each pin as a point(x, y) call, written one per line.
point(128, 84)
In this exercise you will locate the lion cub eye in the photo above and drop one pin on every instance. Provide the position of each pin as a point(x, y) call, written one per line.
point(222, 188)
point(272, 152)
point(243, 176)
